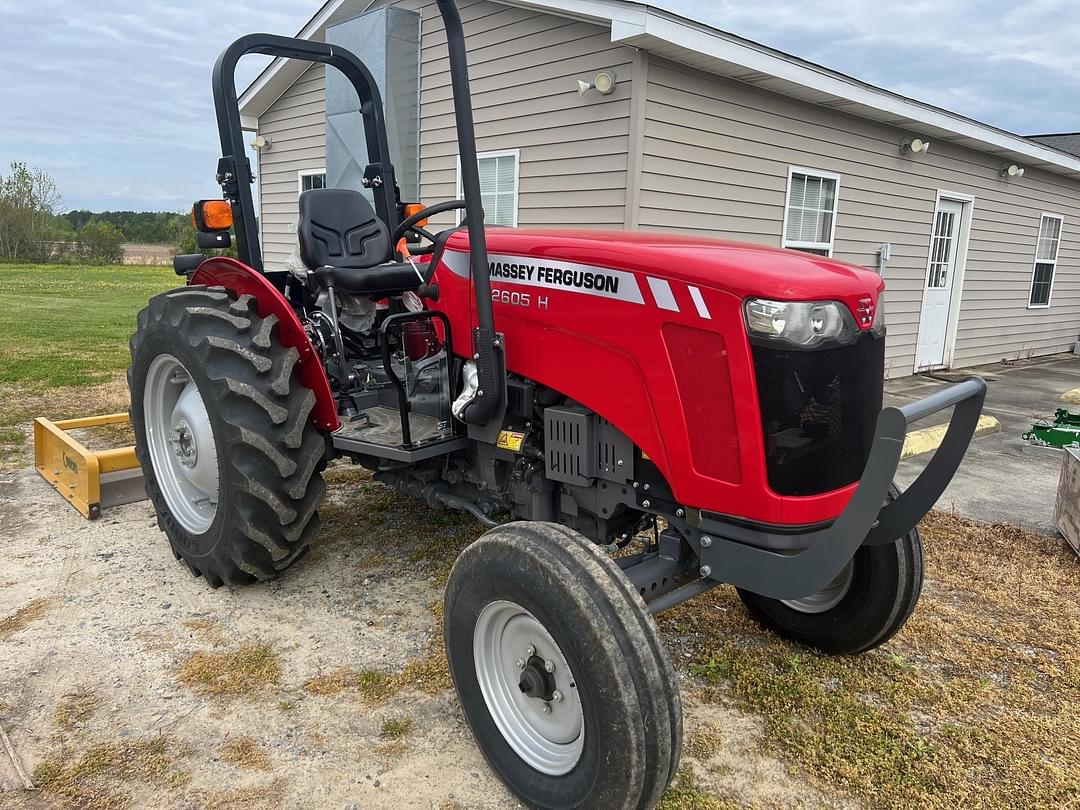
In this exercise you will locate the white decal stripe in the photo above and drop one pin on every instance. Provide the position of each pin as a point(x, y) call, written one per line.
point(699, 302)
point(661, 291)
point(549, 274)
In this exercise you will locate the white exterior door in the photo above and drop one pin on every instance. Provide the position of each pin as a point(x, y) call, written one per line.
point(937, 297)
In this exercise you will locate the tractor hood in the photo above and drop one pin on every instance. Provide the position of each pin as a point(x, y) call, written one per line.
point(736, 267)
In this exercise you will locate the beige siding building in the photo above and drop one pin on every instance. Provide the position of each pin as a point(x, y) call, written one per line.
point(978, 236)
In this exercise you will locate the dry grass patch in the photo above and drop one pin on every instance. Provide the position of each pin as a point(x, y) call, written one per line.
point(686, 794)
point(75, 709)
point(95, 780)
point(704, 742)
point(244, 752)
point(243, 672)
point(396, 728)
point(259, 797)
point(976, 702)
point(24, 616)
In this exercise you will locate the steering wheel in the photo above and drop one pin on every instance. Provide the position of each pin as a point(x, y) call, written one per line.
point(409, 224)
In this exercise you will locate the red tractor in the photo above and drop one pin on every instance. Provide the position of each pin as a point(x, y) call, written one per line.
point(571, 390)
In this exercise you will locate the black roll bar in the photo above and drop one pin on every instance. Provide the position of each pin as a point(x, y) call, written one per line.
point(487, 347)
point(234, 170)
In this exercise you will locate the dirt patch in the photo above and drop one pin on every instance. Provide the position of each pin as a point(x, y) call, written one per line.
point(974, 702)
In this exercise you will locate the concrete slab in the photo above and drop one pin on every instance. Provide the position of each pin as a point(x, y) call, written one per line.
point(1003, 478)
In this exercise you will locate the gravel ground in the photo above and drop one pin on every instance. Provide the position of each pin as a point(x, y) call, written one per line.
point(124, 681)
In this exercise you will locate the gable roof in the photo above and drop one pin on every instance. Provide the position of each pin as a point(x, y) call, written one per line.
point(710, 49)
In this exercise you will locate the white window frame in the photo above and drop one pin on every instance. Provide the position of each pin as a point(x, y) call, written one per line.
point(797, 245)
point(1052, 262)
point(516, 155)
point(300, 175)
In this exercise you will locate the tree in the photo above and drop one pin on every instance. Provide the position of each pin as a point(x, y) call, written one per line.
point(28, 202)
point(100, 242)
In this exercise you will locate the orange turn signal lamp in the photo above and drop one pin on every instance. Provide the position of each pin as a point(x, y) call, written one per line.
point(212, 215)
point(415, 208)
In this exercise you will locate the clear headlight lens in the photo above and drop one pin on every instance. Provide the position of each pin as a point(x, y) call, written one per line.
point(800, 323)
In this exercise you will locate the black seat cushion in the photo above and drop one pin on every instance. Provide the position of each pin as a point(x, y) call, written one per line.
point(384, 280)
point(338, 227)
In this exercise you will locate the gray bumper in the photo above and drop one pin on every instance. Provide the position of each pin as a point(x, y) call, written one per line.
point(741, 556)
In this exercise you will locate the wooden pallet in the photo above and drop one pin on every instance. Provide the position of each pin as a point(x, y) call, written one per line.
point(91, 481)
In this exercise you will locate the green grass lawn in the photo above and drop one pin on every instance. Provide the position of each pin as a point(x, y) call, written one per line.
point(68, 325)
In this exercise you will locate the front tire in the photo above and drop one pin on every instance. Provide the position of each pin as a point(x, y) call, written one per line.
point(560, 671)
point(865, 606)
point(231, 461)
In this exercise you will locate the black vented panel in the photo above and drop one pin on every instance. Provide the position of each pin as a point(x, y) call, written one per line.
point(818, 411)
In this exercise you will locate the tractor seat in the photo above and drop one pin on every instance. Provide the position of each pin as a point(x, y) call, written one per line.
point(345, 245)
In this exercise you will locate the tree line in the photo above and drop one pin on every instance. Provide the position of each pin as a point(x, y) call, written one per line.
point(33, 229)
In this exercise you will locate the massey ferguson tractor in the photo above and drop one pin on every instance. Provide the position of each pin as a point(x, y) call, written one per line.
point(576, 392)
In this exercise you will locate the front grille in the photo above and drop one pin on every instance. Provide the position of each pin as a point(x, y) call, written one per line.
point(818, 410)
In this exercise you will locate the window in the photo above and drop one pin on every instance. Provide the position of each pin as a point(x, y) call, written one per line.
point(498, 187)
point(1046, 255)
point(309, 179)
point(810, 211)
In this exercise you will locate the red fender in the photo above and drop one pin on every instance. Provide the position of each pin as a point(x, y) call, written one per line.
point(221, 271)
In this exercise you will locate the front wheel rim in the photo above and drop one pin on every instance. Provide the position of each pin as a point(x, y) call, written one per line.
point(828, 597)
point(180, 441)
point(528, 688)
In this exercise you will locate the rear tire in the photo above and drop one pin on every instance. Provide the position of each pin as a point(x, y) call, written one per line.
point(211, 386)
point(545, 586)
point(858, 612)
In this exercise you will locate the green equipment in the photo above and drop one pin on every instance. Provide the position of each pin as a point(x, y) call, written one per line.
point(1064, 431)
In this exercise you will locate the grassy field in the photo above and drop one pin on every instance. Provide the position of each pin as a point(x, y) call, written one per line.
point(68, 325)
point(63, 341)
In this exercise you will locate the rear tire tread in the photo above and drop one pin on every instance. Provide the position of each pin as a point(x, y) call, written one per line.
point(270, 454)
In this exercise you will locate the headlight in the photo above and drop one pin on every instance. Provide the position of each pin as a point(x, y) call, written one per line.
point(800, 323)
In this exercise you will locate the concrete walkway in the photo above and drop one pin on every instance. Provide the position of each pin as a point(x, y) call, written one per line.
point(1003, 479)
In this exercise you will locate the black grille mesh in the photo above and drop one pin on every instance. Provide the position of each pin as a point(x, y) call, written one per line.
point(818, 411)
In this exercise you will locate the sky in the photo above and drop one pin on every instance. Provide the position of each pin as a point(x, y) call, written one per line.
point(112, 97)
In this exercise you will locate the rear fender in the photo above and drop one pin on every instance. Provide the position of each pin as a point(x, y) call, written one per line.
point(222, 271)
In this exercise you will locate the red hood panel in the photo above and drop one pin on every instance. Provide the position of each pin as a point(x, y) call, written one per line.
point(740, 268)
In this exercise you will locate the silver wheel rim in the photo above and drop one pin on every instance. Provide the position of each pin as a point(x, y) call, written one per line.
point(181, 444)
point(511, 647)
point(828, 597)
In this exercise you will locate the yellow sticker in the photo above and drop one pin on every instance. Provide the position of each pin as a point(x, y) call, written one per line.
point(645, 456)
point(510, 440)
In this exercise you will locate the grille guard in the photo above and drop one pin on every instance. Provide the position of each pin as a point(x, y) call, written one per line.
point(734, 554)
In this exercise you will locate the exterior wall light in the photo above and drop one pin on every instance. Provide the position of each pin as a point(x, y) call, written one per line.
point(1012, 170)
point(260, 142)
point(914, 146)
point(604, 84)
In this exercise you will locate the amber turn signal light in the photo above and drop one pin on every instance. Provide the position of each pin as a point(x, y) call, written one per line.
point(212, 215)
point(415, 208)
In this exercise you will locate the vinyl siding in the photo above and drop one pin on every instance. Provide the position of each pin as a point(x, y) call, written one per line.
point(573, 149)
point(715, 161)
point(296, 127)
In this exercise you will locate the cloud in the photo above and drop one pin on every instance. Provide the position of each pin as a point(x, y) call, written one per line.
point(113, 97)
